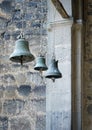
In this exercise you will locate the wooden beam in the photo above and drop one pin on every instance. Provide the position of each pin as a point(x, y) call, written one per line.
point(58, 5)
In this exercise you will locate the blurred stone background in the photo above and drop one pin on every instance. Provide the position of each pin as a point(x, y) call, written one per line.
point(22, 90)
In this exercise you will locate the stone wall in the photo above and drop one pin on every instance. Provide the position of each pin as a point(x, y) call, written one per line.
point(58, 94)
point(22, 90)
point(87, 86)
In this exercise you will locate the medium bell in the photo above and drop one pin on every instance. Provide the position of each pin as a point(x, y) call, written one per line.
point(53, 71)
point(40, 64)
point(21, 53)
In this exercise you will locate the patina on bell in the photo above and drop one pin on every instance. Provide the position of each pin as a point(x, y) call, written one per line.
point(21, 53)
point(40, 64)
point(53, 71)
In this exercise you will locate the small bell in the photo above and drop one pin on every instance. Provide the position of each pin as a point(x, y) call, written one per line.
point(40, 64)
point(21, 53)
point(53, 71)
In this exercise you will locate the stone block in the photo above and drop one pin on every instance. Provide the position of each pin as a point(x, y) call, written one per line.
point(28, 16)
point(15, 34)
point(6, 6)
point(40, 90)
point(89, 109)
point(19, 1)
point(0, 106)
point(10, 91)
point(89, 97)
point(13, 107)
point(9, 107)
point(24, 90)
point(41, 123)
point(7, 36)
point(56, 121)
point(32, 4)
point(39, 104)
point(3, 123)
point(8, 78)
point(20, 78)
point(20, 24)
point(18, 66)
point(4, 67)
point(17, 16)
point(90, 74)
point(2, 89)
point(20, 124)
point(35, 78)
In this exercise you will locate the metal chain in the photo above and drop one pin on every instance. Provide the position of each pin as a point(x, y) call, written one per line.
point(22, 19)
point(41, 27)
point(54, 37)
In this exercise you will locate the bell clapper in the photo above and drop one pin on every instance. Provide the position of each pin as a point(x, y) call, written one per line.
point(21, 60)
point(40, 72)
point(53, 79)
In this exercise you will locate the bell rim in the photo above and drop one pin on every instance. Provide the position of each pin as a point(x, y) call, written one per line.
point(51, 76)
point(25, 58)
point(57, 75)
point(40, 68)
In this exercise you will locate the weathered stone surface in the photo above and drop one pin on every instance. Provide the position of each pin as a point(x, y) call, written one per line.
point(7, 36)
point(34, 78)
point(18, 84)
point(41, 122)
point(0, 106)
point(15, 65)
point(90, 74)
point(10, 91)
point(19, 24)
point(15, 34)
point(2, 89)
point(6, 6)
point(40, 90)
point(56, 122)
point(13, 107)
point(40, 104)
point(24, 90)
point(58, 94)
point(3, 123)
point(87, 77)
point(20, 124)
point(89, 97)
point(89, 109)
point(8, 78)
point(20, 78)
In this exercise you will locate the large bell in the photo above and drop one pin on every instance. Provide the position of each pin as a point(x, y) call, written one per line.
point(21, 53)
point(40, 64)
point(53, 71)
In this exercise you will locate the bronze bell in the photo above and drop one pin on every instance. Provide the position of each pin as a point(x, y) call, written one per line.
point(53, 71)
point(40, 64)
point(21, 53)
